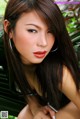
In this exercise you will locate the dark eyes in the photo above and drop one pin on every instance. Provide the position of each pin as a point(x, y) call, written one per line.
point(35, 31)
point(32, 30)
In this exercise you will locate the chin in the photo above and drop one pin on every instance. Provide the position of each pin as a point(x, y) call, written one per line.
point(37, 61)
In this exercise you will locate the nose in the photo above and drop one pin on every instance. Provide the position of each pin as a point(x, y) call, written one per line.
point(42, 41)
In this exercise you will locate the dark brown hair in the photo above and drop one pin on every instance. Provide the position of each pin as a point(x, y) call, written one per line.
point(50, 71)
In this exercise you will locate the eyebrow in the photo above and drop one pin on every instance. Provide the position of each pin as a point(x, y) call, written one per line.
point(34, 25)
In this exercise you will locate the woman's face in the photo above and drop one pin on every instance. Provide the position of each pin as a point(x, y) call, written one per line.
point(32, 38)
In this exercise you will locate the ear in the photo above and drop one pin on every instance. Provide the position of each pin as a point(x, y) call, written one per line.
point(6, 23)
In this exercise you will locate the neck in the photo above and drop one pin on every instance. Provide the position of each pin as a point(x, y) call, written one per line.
point(30, 73)
point(29, 68)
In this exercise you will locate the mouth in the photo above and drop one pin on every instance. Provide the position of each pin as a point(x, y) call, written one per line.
point(40, 54)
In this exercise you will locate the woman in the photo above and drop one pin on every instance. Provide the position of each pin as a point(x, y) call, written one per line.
point(41, 59)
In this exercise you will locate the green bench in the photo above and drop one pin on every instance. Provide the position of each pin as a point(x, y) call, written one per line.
point(10, 100)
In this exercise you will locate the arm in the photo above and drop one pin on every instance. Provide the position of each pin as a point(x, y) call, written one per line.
point(68, 112)
point(69, 88)
point(25, 113)
point(39, 111)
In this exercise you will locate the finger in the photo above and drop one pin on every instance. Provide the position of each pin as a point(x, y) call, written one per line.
point(45, 110)
point(53, 117)
point(41, 115)
point(45, 116)
point(51, 112)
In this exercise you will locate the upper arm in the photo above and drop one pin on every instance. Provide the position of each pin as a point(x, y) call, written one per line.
point(70, 111)
point(69, 87)
point(25, 113)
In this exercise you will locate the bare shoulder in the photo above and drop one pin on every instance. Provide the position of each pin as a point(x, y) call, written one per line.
point(69, 87)
point(22, 114)
point(66, 73)
point(67, 78)
point(25, 113)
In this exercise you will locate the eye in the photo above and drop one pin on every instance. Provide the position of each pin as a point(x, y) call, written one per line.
point(32, 30)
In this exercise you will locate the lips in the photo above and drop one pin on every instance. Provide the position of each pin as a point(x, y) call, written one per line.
point(40, 54)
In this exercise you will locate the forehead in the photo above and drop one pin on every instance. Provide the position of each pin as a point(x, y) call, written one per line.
point(32, 17)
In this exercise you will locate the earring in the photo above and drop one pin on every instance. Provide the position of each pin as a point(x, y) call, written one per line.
point(10, 43)
point(54, 50)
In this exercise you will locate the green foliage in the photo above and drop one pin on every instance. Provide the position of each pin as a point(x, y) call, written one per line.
point(12, 117)
point(72, 21)
point(9, 117)
point(2, 6)
point(1, 33)
point(71, 17)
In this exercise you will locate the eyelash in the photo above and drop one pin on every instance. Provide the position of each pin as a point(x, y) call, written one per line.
point(32, 30)
point(35, 31)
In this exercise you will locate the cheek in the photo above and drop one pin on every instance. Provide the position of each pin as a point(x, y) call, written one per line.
point(23, 44)
point(21, 39)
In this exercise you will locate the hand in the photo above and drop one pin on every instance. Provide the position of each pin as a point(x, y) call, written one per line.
point(44, 113)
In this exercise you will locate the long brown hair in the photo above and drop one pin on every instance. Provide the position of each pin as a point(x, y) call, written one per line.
point(50, 71)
